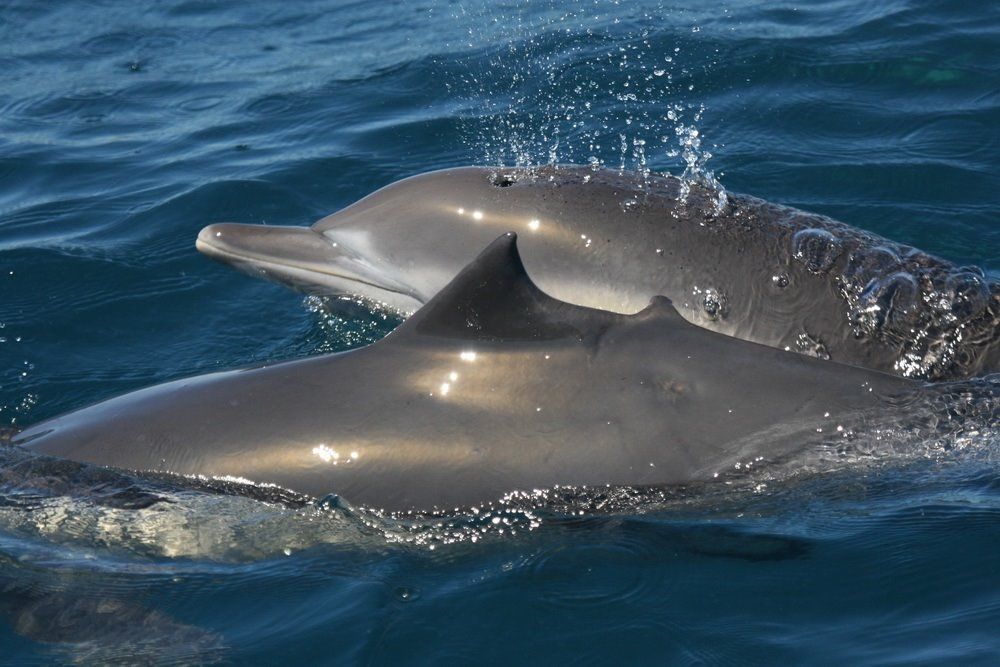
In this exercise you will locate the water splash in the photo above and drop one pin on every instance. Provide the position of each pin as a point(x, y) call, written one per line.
point(596, 83)
point(346, 322)
point(694, 156)
point(16, 375)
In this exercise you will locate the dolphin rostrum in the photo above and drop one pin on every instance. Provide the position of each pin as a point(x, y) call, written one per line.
point(493, 386)
point(609, 240)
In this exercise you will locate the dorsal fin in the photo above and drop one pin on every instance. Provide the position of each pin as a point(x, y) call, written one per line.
point(493, 298)
point(660, 308)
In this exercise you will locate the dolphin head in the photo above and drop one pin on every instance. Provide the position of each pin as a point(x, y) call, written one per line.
point(305, 260)
point(403, 243)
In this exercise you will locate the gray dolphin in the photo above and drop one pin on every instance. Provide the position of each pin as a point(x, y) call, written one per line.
point(608, 240)
point(493, 386)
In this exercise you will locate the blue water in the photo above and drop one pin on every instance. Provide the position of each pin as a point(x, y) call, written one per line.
point(127, 126)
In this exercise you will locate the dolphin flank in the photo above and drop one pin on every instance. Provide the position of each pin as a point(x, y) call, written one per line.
point(493, 386)
point(603, 239)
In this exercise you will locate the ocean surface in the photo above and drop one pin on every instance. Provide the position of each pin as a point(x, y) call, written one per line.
point(127, 126)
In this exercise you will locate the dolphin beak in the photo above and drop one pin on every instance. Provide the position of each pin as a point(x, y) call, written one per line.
point(299, 257)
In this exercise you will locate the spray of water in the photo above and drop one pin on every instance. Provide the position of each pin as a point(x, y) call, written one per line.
point(598, 83)
point(14, 375)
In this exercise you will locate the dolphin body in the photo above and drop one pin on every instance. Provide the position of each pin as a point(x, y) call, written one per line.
point(608, 240)
point(492, 387)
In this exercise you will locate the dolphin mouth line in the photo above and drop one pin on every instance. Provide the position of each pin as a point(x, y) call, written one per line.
point(201, 244)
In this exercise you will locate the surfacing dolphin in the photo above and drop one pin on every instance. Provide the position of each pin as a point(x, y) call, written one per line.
point(608, 240)
point(492, 387)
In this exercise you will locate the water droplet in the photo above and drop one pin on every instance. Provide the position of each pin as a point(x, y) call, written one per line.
point(406, 594)
point(811, 346)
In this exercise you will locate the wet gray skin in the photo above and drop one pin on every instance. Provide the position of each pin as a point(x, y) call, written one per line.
point(735, 264)
point(491, 387)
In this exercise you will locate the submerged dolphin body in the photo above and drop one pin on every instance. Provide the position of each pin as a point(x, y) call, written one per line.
point(493, 386)
point(733, 264)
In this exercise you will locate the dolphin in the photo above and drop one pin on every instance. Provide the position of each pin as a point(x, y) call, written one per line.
point(492, 387)
point(610, 240)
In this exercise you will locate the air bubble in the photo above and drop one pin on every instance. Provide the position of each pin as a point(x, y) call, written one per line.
point(817, 249)
point(887, 301)
point(504, 180)
point(871, 262)
point(714, 304)
point(968, 294)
